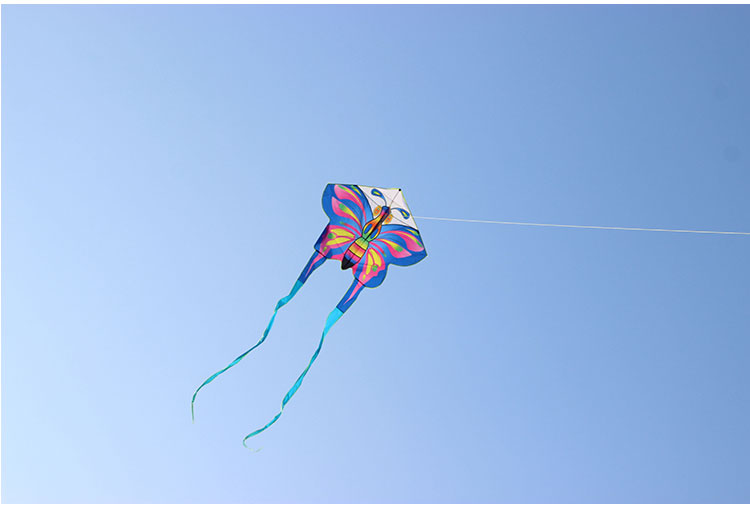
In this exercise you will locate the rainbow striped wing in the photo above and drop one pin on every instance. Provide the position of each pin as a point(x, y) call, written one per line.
point(400, 245)
point(348, 210)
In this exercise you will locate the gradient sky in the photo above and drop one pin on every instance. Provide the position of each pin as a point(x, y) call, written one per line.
point(162, 169)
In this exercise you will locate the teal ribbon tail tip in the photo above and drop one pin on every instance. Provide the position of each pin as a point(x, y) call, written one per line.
point(192, 405)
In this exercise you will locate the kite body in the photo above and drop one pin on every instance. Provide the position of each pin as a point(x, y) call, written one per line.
point(369, 228)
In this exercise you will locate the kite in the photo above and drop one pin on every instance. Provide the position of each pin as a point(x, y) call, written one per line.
point(369, 228)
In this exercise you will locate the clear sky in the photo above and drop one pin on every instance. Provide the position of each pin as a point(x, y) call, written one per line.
point(162, 169)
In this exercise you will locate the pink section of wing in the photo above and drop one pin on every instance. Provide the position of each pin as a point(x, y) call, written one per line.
point(334, 241)
point(340, 209)
point(409, 240)
point(392, 249)
point(344, 193)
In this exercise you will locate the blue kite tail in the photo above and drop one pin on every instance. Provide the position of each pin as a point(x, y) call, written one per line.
point(332, 318)
point(282, 302)
point(315, 261)
point(349, 297)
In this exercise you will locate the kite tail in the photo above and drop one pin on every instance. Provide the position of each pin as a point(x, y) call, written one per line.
point(315, 261)
point(350, 296)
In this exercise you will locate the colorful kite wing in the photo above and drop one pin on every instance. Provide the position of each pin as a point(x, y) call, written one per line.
point(348, 211)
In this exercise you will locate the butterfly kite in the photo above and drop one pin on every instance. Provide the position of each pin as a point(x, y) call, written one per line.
point(369, 228)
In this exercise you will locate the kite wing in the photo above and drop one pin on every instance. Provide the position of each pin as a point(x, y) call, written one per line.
point(399, 245)
point(348, 211)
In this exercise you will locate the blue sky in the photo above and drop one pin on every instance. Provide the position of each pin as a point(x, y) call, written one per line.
point(162, 168)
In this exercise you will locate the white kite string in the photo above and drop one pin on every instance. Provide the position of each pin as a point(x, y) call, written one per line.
point(579, 226)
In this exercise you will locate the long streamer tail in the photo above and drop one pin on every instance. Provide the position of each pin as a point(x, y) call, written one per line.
point(332, 318)
point(349, 298)
point(282, 302)
point(316, 260)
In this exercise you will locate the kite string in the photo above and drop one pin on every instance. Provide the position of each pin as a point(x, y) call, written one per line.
point(579, 226)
